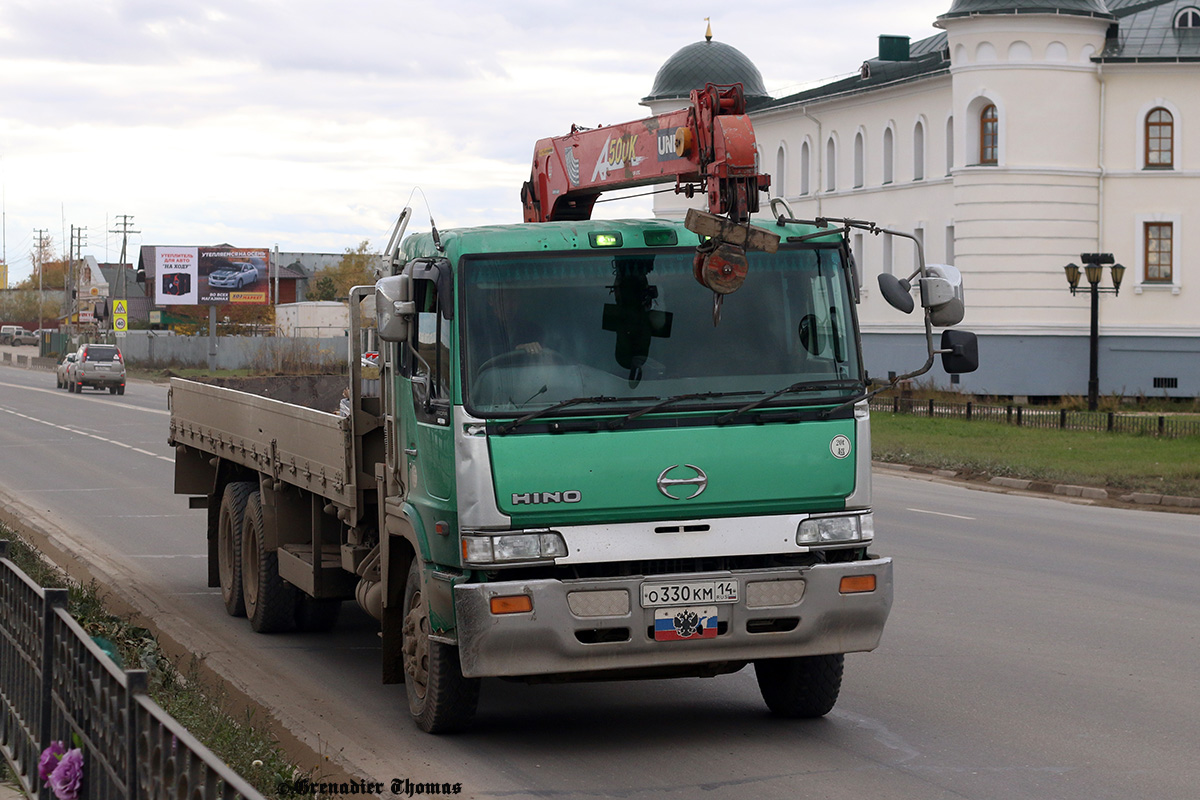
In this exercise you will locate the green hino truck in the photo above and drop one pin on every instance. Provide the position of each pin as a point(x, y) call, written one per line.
point(588, 449)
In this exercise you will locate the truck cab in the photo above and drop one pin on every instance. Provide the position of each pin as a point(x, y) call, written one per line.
point(603, 478)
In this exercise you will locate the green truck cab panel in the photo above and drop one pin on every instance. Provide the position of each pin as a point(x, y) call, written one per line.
point(733, 470)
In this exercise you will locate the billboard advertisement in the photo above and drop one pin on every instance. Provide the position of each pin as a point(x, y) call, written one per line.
point(188, 276)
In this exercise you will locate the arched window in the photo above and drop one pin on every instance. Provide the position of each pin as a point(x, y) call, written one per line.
point(949, 145)
point(804, 169)
point(888, 156)
point(858, 160)
point(989, 135)
point(919, 152)
point(830, 165)
point(1160, 139)
point(780, 177)
point(1188, 18)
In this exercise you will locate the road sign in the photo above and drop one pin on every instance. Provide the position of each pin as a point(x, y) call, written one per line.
point(120, 323)
point(120, 307)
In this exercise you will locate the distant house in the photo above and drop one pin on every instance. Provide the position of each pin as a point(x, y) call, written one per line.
point(123, 285)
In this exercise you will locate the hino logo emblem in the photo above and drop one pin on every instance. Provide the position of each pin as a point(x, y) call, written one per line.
point(699, 480)
point(536, 498)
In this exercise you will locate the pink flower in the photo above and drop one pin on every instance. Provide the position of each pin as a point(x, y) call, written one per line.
point(67, 777)
point(49, 760)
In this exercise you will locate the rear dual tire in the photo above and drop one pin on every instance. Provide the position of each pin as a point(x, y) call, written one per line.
point(230, 522)
point(270, 600)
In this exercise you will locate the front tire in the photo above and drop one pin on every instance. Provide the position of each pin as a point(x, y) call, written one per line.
point(229, 544)
point(440, 699)
point(804, 687)
point(270, 600)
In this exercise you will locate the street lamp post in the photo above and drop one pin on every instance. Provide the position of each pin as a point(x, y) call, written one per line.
point(1093, 269)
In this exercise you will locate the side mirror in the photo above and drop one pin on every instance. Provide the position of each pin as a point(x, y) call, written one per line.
point(394, 307)
point(897, 292)
point(960, 352)
point(942, 294)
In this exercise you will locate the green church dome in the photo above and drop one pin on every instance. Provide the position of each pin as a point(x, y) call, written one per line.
point(706, 62)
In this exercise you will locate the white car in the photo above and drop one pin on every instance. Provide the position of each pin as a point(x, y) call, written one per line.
point(235, 276)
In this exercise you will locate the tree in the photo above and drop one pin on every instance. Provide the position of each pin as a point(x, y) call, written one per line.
point(53, 275)
point(357, 268)
point(322, 288)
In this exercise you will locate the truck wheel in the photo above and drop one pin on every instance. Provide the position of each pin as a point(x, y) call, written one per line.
point(229, 544)
point(315, 615)
point(112, 390)
point(804, 687)
point(120, 390)
point(440, 699)
point(270, 600)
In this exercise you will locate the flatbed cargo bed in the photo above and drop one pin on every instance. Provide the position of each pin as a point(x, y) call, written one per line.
point(267, 424)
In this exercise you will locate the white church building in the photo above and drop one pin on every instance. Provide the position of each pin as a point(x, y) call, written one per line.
point(1022, 135)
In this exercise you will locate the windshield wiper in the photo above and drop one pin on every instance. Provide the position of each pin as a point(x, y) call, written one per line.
point(795, 387)
point(669, 401)
point(574, 401)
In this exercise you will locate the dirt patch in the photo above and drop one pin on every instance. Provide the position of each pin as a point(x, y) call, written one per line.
point(320, 392)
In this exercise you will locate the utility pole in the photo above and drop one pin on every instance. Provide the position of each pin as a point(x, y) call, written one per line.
point(41, 248)
point(73, 255)
point(124, 223)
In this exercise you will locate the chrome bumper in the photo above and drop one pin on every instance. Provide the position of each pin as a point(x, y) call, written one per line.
point(568, 632)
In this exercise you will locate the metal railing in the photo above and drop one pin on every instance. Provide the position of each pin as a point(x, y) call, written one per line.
point(56, 684)
point(1165, 425)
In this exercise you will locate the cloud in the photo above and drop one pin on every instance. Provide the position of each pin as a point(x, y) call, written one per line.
point(308, 123)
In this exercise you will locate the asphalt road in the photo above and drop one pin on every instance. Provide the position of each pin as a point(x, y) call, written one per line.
point(1037, 648)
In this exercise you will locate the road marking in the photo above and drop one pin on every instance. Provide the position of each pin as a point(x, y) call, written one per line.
point(939, 514)
point(59, 393)
point(89, 435)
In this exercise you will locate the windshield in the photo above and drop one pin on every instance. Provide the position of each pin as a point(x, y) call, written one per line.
point(542, 330)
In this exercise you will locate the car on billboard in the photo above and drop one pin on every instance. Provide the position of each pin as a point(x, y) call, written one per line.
point(236, 276)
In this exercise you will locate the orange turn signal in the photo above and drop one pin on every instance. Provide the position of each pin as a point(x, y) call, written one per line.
point(855, 584)
point(513, 604)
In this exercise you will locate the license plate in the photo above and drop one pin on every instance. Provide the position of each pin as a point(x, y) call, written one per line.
point(656, 594)
point(689, 622)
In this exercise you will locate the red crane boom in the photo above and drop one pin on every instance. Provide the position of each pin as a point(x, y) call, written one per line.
point(710, 146)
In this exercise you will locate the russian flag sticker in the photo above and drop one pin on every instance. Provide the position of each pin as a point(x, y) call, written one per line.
point(678, 624)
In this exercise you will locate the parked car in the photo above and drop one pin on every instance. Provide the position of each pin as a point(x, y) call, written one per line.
point(12, 334)
point(62, 373)
point(235, 276)
point(99, 366)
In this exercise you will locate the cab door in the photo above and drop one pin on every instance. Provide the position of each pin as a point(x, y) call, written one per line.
point(425, 406)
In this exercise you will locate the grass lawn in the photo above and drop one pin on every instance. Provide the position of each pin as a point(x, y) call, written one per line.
point(1120, 461)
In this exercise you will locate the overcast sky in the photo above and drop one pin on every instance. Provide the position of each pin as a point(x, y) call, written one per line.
point(307, 124)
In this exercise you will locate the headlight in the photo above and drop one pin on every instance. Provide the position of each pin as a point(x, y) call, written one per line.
point(513, 547)
point(835, 530)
